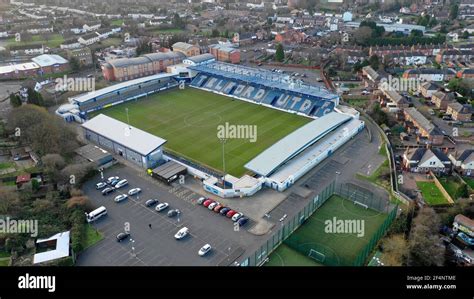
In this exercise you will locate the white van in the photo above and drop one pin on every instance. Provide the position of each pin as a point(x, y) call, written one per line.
point(96, 214)
point(181, 233)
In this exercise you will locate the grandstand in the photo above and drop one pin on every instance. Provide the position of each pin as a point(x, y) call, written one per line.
point(122, 92)
point(275, 90)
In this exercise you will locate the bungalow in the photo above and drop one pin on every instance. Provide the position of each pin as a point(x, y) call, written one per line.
point(428, 88)
point(464, 164)
point(459, 112)
point(424, 160)
point(441, 99)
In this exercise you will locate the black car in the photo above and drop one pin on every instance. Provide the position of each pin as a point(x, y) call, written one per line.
point(151, 202)
point(224, 211)
point(242, 221)
point(108, 190)
point(122, 236)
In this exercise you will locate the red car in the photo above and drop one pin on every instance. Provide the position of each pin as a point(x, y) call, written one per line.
point(207, 202)
point(230, 213)
point(218, 208)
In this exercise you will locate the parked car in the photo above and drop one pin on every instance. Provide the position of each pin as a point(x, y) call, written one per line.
point(172, 213)
point(134, 191)
point(224, 211)
point(114, 182)
point(108, 190)
point(122, 236)
point(237, 216)
point(201, 200)
point(213, 205)
point(121, 183)
point(218, 208)
point(204, 250)
point(112, 178)
point(151, 202)
point(230, 213)
point(242, 221)
point(120, 197)
point(162, 206)
point(207, 202)
point(181, 233)
point(100, 185)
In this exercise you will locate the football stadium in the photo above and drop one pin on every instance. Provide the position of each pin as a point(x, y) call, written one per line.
point(172, 117)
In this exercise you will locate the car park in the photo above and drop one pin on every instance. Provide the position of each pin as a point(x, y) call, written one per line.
point(207, 202)
point(122, 236)
point(134, 191)
point(218, 208)
point(172, 213)
point(121, 183)
point(201, 200)
point(224, 211)
point(204, 250)
point(151, 202)
point(242, 221)
point(112, 178)
point(213, 205)
point(120, 197)
point(237, 216)
point(230, 213)
point(100, 185)
point(108, 190)
point(181, 233)
point(162, 206)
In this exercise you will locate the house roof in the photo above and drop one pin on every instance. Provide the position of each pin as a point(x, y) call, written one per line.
point(464, 109)
point(430, 86)
point(61, 250)
point(466, 156)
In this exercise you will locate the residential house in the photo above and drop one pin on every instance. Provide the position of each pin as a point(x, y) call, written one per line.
point(441, 99)
point(428, 88)
point(373, 77)
point(391, 96)
point(186, 49)
point(446, 56)
point(225, 53)
point(406, 58)
point(92, 27)
point(83, 55)
point(423, 128)
point(291, 37)
point(424, 160)
point(72, 43)
point(464, 163)
point(32, 49)
point(89, 39)
point(466, 74)
point(430, 74)
point(39, 29)
point(459, 112)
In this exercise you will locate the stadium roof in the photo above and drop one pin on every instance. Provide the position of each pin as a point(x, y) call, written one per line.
point(49, 60)
point(293, 144)
point(113, 88)
point(201, 58)
point(265, 78)
point(135, 139)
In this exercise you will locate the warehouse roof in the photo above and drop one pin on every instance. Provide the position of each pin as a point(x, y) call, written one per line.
point(49, 60)
point(182, 46)
point(133, 138)
point(61, 250)
point(293, 144)
point(201, 58)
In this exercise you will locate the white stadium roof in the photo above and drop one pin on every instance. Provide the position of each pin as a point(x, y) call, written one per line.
point(135, 139)
point(291, 145)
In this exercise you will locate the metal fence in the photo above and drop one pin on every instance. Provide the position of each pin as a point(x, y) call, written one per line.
point(319, 252)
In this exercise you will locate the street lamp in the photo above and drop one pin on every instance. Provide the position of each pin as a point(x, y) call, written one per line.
point(223, 141)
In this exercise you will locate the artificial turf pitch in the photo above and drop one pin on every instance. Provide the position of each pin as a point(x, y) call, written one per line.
point(342, 248)
point(188, 119)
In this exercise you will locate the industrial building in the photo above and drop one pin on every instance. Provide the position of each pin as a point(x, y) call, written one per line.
point(134, 145)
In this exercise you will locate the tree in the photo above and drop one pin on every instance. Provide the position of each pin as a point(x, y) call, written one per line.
point(362, 35)
point(34, 97)
point(374, 62)
point(395, 250)
point(280, 53)
point(425, 246)
point(74, 63)
point(465, 34)
point(144, 47)
point(15, 100)
point(215, 33)
point(178, 22)
point(416, 33)
point(453, 11)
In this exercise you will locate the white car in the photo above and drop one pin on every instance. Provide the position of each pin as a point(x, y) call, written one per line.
point(121, 184)
point(134, 191)
point(181, 233)
point(120, 197)
point(204, 250)
point(213, 205)
point(100, 185)
point(162, 206)
point(112, 178)
point(237, 216)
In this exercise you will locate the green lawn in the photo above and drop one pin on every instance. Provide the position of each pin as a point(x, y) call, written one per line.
point(286, 256)
point(165, 31)
point(451, 186)
point(53, 41)
point(4, 258)
point(340, 249)
point(5, 165)
point(91, 236)
point(117, 22)
point(431, 193)
point(189, 120)
point(469, 181)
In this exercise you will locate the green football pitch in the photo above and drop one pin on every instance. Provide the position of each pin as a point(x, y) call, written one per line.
point(188, 119)
point(338, 249)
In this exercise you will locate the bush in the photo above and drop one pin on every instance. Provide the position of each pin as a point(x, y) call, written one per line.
point(77, 230)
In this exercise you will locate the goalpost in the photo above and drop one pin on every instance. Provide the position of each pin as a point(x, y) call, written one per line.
point(361, 204)
point(318, 256)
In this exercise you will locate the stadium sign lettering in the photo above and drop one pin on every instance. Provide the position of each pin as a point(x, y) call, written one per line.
point(228, 131)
